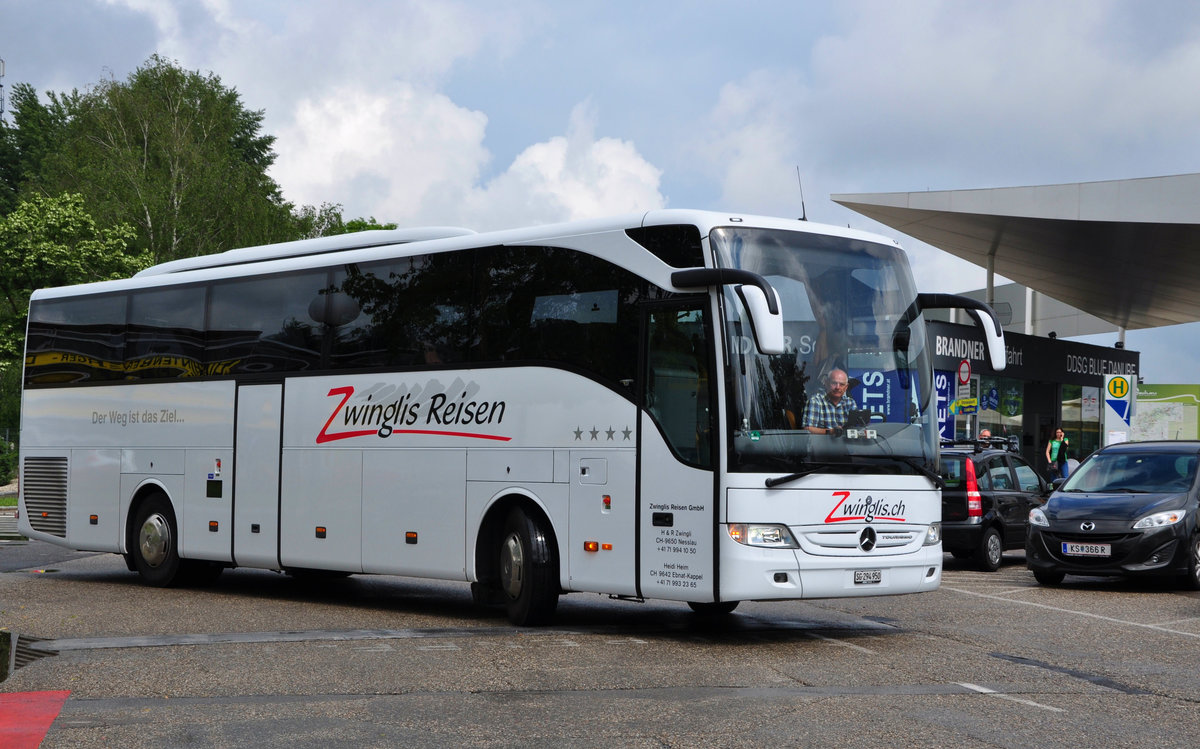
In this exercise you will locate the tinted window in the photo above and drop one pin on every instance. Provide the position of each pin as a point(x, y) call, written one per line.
point(412, 311)
point(954, 471)
point(263, 325)
point(678, 246)
point(999, 477)
point(1027, 478)
point(165, 338)
point(544, 304)
point(76, 340)
point(536, 305)
point(677, 382)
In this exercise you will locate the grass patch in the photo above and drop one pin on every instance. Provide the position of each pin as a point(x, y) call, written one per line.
point(8, 501)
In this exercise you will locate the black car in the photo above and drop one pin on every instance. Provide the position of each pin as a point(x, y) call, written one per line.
point(989, 492)
point(1129, 509)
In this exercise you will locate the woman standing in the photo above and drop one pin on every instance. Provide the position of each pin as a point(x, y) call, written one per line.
point(1056, 454)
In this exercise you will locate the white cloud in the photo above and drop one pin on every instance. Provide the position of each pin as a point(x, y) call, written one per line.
point(379, 153)
point(415, 157)
point(567, 177)
point(753, 140)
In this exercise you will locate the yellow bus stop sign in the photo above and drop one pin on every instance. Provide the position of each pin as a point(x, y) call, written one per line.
point(1118, 387)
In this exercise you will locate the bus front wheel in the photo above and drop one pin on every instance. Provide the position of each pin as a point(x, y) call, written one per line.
point(154, 544)
point(528, 570)
point(713, 608)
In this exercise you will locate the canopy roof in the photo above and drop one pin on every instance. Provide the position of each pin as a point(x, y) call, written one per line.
point(1120, 250)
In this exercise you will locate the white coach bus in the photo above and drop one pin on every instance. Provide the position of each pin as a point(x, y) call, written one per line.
point(608, 406)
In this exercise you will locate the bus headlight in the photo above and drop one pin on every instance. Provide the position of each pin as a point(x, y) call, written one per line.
point(933, 536)
point(768, 536)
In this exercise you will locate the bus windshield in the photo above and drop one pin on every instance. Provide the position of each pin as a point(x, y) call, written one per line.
point(848, 309)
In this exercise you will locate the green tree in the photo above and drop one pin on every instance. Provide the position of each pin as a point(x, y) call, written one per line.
point(54, 242)
point(10, 173)
point(175, 154)
point(38, 129)
point(10, 420)
point(312, 222)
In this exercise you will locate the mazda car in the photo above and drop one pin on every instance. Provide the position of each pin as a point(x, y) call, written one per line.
point(1130, 509)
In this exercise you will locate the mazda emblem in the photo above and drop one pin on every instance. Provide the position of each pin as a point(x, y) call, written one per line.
point(866, 539)
point(1087, 525)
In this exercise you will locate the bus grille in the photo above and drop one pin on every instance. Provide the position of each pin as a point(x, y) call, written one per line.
point(44, 486)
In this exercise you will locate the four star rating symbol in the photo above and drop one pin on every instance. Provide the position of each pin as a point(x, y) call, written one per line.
point(610, 434)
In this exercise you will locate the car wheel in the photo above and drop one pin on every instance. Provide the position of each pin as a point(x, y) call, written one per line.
point(991, 550)
point(1192, 580)
point(1049, 577)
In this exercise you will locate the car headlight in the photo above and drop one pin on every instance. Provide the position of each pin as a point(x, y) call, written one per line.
point(1037, 517)
point(933, 536)
point(768, 536)
point(1159, 519)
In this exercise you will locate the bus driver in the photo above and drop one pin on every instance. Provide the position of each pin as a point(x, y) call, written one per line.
point(826, 413)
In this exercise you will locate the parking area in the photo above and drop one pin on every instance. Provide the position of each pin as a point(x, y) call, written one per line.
point(991, 659)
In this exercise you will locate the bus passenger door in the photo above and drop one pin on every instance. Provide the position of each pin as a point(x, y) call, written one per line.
point(256, 476)
point(678, 505)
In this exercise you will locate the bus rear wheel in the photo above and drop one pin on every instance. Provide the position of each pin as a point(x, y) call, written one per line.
point(528, 570)
point(154, 544)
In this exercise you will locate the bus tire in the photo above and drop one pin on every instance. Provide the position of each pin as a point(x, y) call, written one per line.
point(154, 542)
point(713, 608)
point(528, 570)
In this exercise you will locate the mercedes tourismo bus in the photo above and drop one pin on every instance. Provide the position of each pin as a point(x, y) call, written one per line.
point(607, 406)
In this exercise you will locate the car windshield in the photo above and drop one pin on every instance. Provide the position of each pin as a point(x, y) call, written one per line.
point(851, 328)
point(1124, 472)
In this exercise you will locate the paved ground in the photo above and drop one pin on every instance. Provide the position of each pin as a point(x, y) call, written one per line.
point(260, 659)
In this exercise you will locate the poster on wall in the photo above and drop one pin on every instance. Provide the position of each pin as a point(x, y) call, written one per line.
point(879, 391)
point(1166, 412)
point(944, 386)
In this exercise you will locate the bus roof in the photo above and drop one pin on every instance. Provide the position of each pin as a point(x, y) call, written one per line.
point(367, 245)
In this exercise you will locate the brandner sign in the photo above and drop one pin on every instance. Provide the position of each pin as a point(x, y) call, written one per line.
point(1031, 357)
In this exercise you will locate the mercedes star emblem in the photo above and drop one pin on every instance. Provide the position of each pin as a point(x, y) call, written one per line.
point(866, 539)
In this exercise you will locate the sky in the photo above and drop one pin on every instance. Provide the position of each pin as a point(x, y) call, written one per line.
point(493, 115)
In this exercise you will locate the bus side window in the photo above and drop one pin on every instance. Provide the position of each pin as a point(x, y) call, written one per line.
point(677, 382)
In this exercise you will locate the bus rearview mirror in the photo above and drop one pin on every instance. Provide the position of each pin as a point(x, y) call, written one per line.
point(766, 326)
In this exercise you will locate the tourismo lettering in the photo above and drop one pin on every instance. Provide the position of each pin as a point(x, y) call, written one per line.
point(410, 412)
point(868, 509)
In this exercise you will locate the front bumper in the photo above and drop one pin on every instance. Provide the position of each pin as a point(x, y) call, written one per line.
point(780, 574)
point(962, 535)
point(1160, 551)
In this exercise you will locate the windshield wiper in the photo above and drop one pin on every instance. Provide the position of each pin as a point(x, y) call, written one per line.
point(799, 474)
point(938, 481)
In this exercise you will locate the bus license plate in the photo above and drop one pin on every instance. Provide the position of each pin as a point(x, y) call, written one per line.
point(1086, 550)
point(867, 577)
